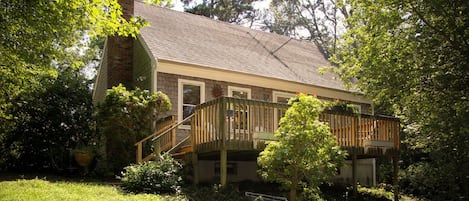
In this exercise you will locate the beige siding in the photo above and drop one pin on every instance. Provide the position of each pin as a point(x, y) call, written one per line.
point(142, 66)
point(168, 83)
point(256, 80)
point(101, 81)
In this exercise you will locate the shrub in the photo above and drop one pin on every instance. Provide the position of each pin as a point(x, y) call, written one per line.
point(160, 176)
point(125, 117)
point(214, 193)
point(48, 123)
point(305, 153)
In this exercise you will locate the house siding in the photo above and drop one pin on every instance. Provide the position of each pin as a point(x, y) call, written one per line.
point(100, 87)
point(142, 67)
point(168, 84)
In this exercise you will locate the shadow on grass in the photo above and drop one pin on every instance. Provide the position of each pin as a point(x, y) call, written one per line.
point(54, 177)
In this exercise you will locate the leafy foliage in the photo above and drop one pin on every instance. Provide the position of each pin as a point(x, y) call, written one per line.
point(214, 193)
point(413, 56)
point(39, 36)
point(50, 122)
point(160, 176)
point(224, 10)
point(337, 192)
point(306, 153)
point(124, 117)
point(319, 21)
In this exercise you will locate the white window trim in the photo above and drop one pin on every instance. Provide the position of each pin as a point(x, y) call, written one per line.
point(230, 94)
point(181, 83)
point(275, 95)
point(233, 88)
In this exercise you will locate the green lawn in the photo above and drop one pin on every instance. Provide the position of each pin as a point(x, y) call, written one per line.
point(37, 189)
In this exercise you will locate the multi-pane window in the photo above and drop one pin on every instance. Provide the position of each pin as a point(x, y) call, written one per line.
point(239, 112)
point(280, 97)
point(191, 94)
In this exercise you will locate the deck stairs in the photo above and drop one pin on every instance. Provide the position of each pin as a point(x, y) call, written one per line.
point(163, 140)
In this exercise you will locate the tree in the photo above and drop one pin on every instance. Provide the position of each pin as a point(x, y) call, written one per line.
point(239, 11)
point(306, 154)
point(38, 36)
point(50, 123)
point(125, 117)
point(321, 21)
point(413, 55)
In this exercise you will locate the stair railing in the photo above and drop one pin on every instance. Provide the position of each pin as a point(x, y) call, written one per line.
point(156, 138)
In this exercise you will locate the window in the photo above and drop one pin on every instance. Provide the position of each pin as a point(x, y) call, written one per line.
point(191, 93)
point(239, 92)
point(239, 113)
point(280, 97)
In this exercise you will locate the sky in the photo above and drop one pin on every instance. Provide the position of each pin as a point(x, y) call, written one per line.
point(178, 5)
point(260, 4)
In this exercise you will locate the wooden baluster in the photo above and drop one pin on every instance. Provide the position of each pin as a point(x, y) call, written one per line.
point(139, 152)
point(352, 130)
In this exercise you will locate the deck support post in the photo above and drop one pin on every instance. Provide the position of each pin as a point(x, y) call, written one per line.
point(395, 187)
point(223, 166)
point(195, 167)
point(223, 151)
point(354, 174)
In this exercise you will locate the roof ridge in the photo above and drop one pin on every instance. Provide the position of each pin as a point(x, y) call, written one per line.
point(199, 40)
point(230, 25)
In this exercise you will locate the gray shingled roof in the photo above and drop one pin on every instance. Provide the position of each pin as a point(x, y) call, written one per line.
point(193, 39)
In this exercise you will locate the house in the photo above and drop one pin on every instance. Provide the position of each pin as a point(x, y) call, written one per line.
point(232, 83)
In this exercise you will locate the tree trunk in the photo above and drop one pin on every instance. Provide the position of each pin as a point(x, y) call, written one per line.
point(293, 194)
point(294, 185)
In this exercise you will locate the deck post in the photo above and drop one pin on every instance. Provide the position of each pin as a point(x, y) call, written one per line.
point(195, 157)
point(223, 166)
point(395, 163)
point(354, 174)
point(139, 153)
point(223, 152)
point(173, 132)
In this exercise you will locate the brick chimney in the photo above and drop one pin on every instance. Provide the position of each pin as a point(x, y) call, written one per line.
point(120, 53)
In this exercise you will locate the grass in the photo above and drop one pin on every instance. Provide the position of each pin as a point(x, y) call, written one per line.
point(60, 188)
point(37, 189)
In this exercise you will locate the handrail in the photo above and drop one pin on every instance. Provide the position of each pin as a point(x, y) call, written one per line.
point(178, 144)
point(163, 131)
point(233, 122)
point(159, 134)
point(173, 127)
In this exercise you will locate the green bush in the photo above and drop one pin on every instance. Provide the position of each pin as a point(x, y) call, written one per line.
point(125, 117)
point(48, 124)
point(214, 193)
point(160, 176)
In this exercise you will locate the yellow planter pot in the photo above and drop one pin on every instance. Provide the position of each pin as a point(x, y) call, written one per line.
point(83, 159)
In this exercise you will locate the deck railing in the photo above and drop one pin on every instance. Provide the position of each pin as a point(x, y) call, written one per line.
point(240, 124)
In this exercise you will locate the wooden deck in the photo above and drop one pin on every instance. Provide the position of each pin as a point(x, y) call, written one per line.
point(239, 126)
point(243, 125)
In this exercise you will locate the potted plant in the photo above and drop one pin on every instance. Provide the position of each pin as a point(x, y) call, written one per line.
point(84, 155)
